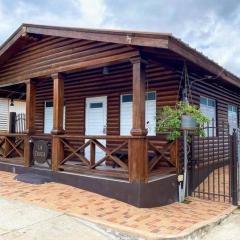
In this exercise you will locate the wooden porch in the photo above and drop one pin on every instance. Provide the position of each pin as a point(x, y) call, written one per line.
point(136, 157)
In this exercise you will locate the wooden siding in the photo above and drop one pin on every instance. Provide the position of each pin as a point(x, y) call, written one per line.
point(223, 94)
point(80, 85)
point(51, 54)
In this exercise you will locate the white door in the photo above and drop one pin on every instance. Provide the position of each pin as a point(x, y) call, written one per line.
point(48, 117)
point(96, 122)
point(126, 114)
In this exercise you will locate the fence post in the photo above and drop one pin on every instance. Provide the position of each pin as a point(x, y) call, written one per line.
point(234, 168)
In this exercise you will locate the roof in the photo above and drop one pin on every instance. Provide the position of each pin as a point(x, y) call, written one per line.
point(134, 38)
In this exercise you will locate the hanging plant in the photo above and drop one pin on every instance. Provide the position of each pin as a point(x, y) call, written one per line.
point(169, 120)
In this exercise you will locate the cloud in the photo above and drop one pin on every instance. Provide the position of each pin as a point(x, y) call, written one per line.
point(74, 13)
point(210, 26)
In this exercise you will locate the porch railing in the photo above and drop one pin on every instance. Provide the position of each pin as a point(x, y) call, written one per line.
point(162, 155)
point(12, 147)
point(90, 154)
point(101, 155)
point(81, 154)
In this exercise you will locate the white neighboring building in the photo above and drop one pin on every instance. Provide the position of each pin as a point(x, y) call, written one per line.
point(5, 108)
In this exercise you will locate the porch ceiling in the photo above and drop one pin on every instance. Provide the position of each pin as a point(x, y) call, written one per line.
point(160, 43)
point(17, 91)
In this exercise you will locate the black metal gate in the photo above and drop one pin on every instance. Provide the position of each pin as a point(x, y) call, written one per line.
point(213, 165)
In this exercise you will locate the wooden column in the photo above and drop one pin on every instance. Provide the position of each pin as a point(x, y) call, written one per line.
point(138, 90)
point(58, 108)
point(30, 107)
point(30, 119)
point(138, 162)
point(58, 103)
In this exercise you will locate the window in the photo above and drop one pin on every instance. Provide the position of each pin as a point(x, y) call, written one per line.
point(232, 117)
point(127, 98)
point(96, 105)
point(208, 108)
point(48, 117)
point(4, 114)
point(126, 113)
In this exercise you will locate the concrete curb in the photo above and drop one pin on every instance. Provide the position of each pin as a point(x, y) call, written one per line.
point(193, 233)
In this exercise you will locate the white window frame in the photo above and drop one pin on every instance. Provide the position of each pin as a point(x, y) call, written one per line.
point(206, 106)
point(153, 132)
point(232, 113)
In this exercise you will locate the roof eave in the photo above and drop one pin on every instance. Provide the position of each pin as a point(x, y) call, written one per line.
point(155, 40)
point(201, 60)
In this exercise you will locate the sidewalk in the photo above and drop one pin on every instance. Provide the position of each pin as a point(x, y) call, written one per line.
point(162, 222)
point(22, 221)
point(227, 230)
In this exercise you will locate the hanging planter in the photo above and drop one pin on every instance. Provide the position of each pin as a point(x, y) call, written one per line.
point(183, 116)
point(188, 122)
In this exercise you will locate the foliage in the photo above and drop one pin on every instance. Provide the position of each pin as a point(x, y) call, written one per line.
point(169, 119)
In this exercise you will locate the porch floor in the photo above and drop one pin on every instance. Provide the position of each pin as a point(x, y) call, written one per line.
point(171, 220)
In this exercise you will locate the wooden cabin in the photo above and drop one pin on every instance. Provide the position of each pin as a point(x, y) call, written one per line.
point(91, 101)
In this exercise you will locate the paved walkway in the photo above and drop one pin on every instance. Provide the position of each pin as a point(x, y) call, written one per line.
point(228, 230)
point(171, 220)
point(22, 221)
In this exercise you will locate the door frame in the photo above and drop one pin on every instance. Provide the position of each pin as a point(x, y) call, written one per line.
point(105, 102)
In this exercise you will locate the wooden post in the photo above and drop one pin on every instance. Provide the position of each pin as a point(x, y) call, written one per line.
point(57, 152)
point(138, 160)
point(58, 103)
point(92, 153)
point(30, 120)
point(138, 108)
point(30, 106)
point(58, 108)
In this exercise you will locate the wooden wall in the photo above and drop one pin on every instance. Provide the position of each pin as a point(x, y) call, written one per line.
point(222, 93)
point(49, 53)
point(89, 83)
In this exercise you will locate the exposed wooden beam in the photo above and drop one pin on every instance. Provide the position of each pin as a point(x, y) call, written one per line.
point(121, 37)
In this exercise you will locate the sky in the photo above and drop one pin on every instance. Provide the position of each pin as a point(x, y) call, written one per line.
point(211, 26)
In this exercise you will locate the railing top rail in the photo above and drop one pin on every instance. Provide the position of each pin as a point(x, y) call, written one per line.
point(6, 134)
point(110, 137)
point(41, 136)
point(160, 137)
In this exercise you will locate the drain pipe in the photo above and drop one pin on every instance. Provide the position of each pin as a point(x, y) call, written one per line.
point(182, 179)
point(185, 180)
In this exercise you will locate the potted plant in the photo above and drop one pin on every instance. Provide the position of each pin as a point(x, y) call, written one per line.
point(172, 120)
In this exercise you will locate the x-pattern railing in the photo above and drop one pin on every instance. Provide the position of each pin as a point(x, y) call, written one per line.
point(91, 163)
point(161, 154)
point(12, 145)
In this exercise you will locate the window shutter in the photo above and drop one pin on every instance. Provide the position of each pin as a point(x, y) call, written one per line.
point(4, 114)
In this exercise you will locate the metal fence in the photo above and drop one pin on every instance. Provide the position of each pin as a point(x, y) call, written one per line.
point(20, 123)
point(212, 164)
